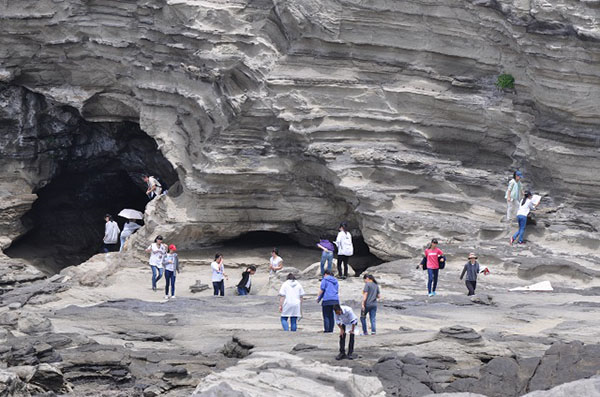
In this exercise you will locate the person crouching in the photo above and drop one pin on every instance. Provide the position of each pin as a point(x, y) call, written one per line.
point(346, 321)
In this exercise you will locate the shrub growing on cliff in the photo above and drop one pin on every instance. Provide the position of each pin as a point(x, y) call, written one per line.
point(505, 81)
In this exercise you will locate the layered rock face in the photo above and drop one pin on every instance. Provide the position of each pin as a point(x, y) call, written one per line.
point(290, 116)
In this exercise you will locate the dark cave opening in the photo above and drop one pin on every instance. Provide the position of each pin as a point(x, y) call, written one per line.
point(98, 171)
point(360, 261)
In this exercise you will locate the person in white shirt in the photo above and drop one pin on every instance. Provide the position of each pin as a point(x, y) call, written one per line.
point(346, 321)
point(218, 275)
point(290, 302)
point(157, 252)
point(275, 262)
point(154, 187)
point(111, 234)
point(128, 229)
point(345, 249)
point(526, 206)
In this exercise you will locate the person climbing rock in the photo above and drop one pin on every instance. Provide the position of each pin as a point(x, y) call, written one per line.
point(346, 321)
point(513, 195)
point(433, 253)
point(171, 264)
point(471, 269)
point(111, 234)
point(157, 252)
point(329, 294)
point(290, 303)
point(245, 283)
point(345, 249)
point(154, 186)
point(527, 205)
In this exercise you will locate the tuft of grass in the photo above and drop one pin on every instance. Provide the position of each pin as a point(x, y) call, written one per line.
point(505, 81)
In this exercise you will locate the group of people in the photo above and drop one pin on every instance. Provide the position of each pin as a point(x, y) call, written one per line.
point(519, 203)
point(113, 234)
point(164, 259)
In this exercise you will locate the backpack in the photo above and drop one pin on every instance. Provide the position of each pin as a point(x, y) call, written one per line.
point(162, 183)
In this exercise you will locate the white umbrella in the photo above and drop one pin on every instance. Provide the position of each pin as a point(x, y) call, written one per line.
point(131, 214)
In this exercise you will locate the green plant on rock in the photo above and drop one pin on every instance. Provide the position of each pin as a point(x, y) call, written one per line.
point(505, 81)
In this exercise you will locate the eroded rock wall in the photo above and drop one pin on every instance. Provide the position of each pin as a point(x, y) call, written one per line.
point(291, 115)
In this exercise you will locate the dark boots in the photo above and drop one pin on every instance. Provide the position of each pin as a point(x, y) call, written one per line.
point(342, 353)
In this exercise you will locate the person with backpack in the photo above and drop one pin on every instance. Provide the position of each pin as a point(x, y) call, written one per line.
point(171, 264)
point(154, 186)
point(513, 195)
point(433, 255)
point(346, 321)
point(157, 252)
point(111, 234)
point(345, 249)
point(369, 303)
point(329, 294)
point(290, 303)
point(245, 283)
point(327, 253)
point(526, 206)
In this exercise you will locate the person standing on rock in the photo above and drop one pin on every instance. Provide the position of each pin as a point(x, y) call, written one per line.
point(128, 229)
point(526, 206)
point(275, 262)
point(290, 303)
point(111, 234)
point(157, 252)
point(346, 321)
point(513, 195)
point(369, 303)
point(154, 186)
point(218, 275)
point(471, 269)
point(329, 294)
point(245, 284)
point(345, 249)
point(433, 253)
point(327, 254)
point(171, 263)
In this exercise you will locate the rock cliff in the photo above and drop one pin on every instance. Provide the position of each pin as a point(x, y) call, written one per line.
point(290, 116)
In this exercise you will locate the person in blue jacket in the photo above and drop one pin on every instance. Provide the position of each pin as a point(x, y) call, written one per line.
point(329, 294)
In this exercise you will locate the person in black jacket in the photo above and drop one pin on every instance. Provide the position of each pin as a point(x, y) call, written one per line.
point(244, 285)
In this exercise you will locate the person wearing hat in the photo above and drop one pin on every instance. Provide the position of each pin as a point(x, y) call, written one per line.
point(527, 205)
point(171, 263)
point(432, 255)
point(513, 195)
point(157, 252)
point(471, 269)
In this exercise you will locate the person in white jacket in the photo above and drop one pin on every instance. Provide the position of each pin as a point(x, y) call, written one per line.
point(345, 249)
point(290, 303)
point(111, 234)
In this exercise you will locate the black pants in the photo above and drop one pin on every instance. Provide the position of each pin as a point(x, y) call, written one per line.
point(343, 342)
point(471, 287)
point(342, 259)
point(328, 318)
point(219, 287)
point(109, 247)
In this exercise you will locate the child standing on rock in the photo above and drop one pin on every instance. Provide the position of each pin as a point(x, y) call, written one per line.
point(171, 263)
point(471, 269)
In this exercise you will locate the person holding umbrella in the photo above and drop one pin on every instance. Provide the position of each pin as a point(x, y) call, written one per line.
point(131, 226)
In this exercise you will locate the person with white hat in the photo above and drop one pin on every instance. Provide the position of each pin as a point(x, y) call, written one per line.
point(471, 269)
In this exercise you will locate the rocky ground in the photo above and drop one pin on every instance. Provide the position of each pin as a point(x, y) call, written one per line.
point(99, 329)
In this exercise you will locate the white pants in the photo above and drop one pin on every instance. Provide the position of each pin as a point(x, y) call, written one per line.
point(511, 210)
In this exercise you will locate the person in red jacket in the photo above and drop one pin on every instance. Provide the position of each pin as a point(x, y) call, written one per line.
point(433, 266)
